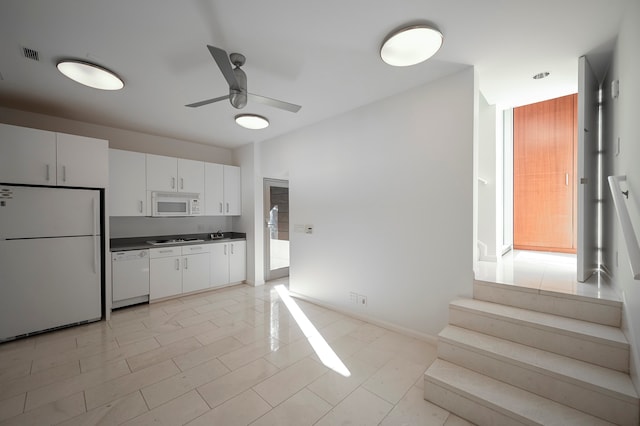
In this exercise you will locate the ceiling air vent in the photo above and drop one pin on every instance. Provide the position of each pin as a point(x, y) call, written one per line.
point(30, 54)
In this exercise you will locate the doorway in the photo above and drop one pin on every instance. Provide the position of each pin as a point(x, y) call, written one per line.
point(276, 238)
point(544, 171)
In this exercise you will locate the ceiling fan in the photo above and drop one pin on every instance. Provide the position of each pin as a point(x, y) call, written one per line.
point(237, 80)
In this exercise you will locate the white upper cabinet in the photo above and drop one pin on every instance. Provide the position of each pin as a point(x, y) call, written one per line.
point(171, 174)
point(27, 155)
point(214, 189)
point(232, 191)
point(127, 183)
point(191, 176)
point(162, 173)
point(222, 190)
point(39, 157)
point(82, 161)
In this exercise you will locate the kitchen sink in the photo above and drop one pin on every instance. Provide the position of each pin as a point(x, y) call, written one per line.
point(174, 241)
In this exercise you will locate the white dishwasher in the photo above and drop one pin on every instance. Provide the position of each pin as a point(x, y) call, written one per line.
point(129, 277)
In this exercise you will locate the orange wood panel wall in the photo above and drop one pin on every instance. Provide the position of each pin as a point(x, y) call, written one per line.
point(544, 181)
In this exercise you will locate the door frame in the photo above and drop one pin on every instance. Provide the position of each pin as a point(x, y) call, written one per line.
point(268, 273)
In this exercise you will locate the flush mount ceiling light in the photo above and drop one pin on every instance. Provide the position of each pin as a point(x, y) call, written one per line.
point(91, 75)
point(252, 121)
point(541, 75)
point(410, 45)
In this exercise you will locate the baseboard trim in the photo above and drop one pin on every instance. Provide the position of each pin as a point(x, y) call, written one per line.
point(384, 324)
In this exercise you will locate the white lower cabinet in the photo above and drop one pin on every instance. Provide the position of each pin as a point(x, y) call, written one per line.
point(177, 270)
point(237, 261)
point(195, 268)
point(228, 263)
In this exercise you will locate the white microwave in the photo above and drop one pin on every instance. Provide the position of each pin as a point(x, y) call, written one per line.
point(165, 204)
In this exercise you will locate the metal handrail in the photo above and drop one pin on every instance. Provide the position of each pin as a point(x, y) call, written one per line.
point(628, 233)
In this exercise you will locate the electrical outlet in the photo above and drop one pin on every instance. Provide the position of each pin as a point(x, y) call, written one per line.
point(308, 229)
point(362, 300)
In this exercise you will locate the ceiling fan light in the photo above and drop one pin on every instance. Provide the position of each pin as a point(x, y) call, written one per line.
point(252, 121)
point(90, 75)
point(411, 45)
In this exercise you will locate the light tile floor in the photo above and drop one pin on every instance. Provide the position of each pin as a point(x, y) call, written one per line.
point(545, 271)
point(231, 357)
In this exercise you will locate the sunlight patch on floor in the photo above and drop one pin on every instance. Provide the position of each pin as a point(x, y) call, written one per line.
point(328, 357)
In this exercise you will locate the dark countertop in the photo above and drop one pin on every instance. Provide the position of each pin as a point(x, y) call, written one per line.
point(140, 243)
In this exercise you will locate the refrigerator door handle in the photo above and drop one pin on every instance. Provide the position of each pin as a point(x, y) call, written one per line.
point(95, 236)
point(48, 173)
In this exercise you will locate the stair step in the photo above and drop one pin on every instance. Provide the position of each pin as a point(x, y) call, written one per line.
point(486, 401)
point(599, 391)
point(598, 344)
point(601, 310)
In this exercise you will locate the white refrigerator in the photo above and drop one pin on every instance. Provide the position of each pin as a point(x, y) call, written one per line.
point(50, 259)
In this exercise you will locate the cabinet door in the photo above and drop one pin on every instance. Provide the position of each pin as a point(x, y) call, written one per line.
point(27, 155)
point(127, 183)
point(82, 161)
point(214, 189)
point(165, 277)
point(237, 261)
point(219, 264)
point(162, 173)
point(232, 191)
point(195, 272)
point(191, 176)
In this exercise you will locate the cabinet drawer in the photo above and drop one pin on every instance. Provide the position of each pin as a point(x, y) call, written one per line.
point(203, 248)
point(165, 252)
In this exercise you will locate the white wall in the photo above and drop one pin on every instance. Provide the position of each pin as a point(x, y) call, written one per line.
point(127, 227)
point(388, 188)
point(251, 220)
point(507, 180)
point(487, 212)
point(621, 121)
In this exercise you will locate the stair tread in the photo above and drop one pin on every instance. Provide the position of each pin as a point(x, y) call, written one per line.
point(612, 382)
point(584, 292)
point(593, 331)
point(505, 398)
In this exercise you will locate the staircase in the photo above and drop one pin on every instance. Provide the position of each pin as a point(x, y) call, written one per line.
point(519, 356)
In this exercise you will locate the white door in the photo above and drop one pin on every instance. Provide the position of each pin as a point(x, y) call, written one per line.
point(27, 155)
point(214, 189)
point(276, 237)
point(237, 261)
point(219, 264)
point(127, 183)
point(165, 277)
point(82, 161)
point(232, 191)
point(190, 176)
point(587, 250)
point(162, 173)
point(46, 283)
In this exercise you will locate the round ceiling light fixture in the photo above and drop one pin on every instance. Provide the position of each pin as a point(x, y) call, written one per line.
point(410, 45)
point(541, 75)
point(252, 121)
point(89, 74)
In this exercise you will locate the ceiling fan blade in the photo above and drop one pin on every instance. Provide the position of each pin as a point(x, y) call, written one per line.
point(208, 101)
point(222, 59)
point(274, 102)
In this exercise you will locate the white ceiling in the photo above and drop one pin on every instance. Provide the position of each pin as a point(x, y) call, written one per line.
point(322, 55)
